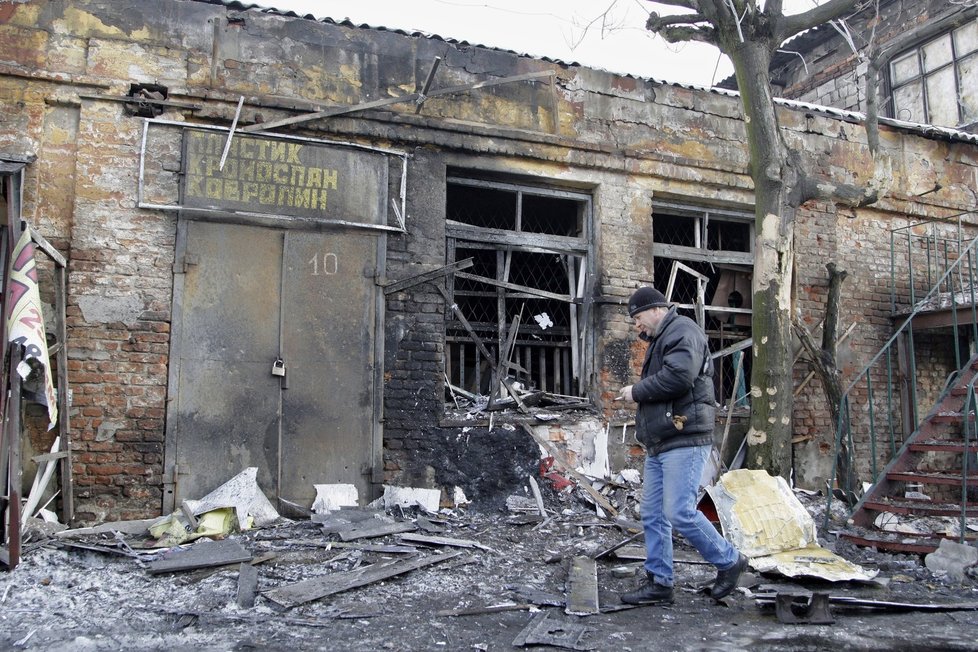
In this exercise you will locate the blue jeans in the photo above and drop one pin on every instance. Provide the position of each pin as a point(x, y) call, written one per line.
point(669, 501)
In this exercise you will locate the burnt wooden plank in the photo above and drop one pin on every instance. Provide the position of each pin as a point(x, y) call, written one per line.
point(247, 586)
point(366, 547)
point(424, 277)
point(582, 596)
point(202, 555)
point(140, 526)
point(442, 541)
point(320, 587)
point(379, 529)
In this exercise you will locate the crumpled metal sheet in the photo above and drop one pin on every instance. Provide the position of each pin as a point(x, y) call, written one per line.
point(243, 494)
point(762, 518)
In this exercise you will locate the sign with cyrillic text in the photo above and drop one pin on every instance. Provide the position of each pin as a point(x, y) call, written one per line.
point(284, 177)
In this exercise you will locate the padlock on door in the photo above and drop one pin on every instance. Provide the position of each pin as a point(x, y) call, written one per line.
point(278, 368)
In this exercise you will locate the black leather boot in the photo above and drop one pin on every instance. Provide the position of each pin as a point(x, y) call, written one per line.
point(727, 579)
point(650, 592)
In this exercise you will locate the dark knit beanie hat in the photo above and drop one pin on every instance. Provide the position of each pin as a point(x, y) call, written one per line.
point(643, 299)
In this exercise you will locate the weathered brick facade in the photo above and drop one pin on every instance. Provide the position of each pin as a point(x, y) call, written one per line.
point(618, 139)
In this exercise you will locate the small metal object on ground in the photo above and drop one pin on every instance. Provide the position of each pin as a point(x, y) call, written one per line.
point(800, 608)
point(540, 631)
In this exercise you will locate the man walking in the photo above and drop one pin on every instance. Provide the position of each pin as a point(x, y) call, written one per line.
point(674, 420)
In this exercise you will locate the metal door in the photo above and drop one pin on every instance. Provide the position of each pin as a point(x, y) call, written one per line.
point(245, 297)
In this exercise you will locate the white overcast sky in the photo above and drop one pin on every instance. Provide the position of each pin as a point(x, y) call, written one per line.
point(606, 34)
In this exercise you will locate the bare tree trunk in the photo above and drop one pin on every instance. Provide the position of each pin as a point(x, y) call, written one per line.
point(750, 36)
point(769, 437)
point(826, 366)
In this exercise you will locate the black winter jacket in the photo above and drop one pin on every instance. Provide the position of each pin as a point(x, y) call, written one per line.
point(676, 405)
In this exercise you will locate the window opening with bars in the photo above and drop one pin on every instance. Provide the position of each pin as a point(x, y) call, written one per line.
point(703, 261)
point(530, 250)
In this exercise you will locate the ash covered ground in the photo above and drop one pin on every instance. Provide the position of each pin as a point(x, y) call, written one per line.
point(67, 597)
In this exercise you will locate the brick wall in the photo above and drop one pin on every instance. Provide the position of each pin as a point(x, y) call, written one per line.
point(832, 74)
point(621, 139)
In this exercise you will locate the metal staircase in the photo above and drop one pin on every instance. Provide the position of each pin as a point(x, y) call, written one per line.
point(928, 486)
point(937, 462)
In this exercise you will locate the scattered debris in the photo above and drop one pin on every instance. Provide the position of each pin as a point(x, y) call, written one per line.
point(850, 602)
point(794, 608)
point(320, 587)
point(427, 499)
point(952, 558)
point(368, 578)
point(139, 526)
point(332, 497)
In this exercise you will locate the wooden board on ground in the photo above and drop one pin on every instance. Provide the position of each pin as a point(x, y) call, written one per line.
point(582, 594)
point(308, 590)
point(202, 555)
point(247, 586)
point(371, 530)
point(636, 552)
point(140, 526)
point(366, 547)
point(441, 541)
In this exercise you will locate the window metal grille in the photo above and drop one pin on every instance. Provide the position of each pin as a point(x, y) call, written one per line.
point(530, 250)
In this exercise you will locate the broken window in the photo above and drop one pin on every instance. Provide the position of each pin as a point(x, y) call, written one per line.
point(703, 262)
point(937, 81)
point(523, 294)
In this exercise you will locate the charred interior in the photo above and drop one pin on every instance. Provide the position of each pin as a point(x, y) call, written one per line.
point(703, 262)
point(522, 294)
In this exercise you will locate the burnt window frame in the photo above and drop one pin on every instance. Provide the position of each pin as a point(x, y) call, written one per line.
point(572, 374)
point(697, 260)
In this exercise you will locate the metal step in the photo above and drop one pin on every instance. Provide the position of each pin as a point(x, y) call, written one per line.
point(950, 417)
point(898, 542)
point(946, 445)
point(919, 507)
point(952, 478)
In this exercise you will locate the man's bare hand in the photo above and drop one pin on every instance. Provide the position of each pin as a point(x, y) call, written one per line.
point(625, 394)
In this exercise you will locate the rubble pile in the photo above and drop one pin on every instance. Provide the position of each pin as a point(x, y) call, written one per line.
point(543, 571)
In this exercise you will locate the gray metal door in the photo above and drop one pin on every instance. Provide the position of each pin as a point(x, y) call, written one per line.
point(245, 297)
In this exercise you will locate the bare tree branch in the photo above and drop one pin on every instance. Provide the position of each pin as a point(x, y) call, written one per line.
point(680, 28)
point(791, 25)
point(657, 22)
point(843, 193)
